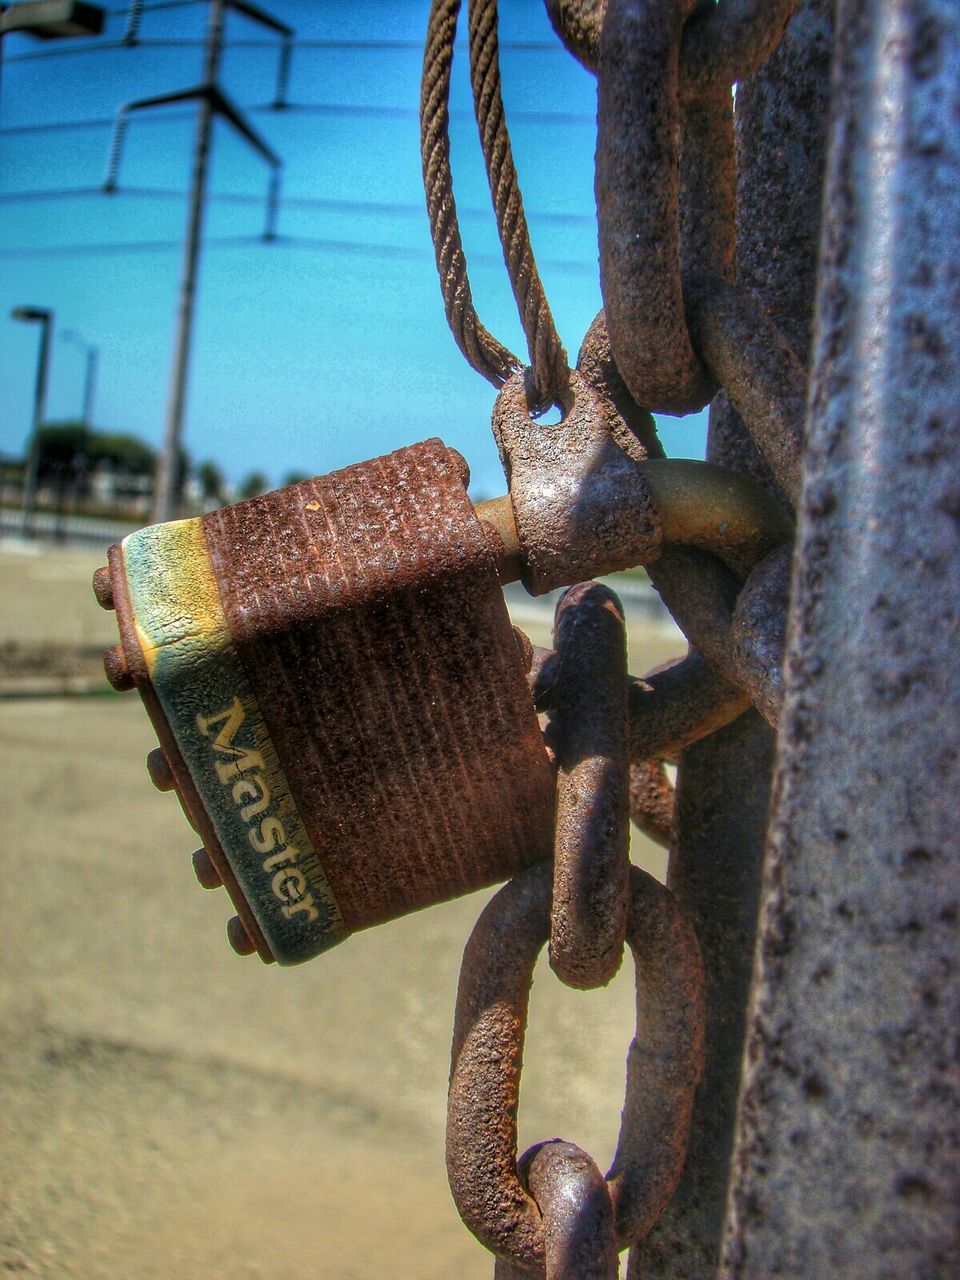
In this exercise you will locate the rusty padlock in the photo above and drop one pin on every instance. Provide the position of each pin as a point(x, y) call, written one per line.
point(340, 698)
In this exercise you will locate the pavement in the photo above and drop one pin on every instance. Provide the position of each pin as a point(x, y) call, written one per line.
point(171, 1109)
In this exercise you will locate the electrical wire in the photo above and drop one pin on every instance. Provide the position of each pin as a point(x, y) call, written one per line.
point(321, 203)
point(197, 42)
point(351, 248)
point(156, 8)
point(330, 109)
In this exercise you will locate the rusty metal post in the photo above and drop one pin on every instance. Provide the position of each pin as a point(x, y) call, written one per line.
point(723, 784)
point(846, 1154)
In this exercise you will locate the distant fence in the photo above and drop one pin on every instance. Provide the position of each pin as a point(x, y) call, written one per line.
point(47, 527)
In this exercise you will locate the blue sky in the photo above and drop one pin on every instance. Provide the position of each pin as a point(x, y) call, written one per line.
point(306, 356)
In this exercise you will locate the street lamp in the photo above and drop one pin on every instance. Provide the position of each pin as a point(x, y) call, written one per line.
point(90, 380)
point(44, 317)
point(52, 19)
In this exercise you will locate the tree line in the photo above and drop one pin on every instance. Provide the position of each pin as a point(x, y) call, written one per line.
point(72, 455)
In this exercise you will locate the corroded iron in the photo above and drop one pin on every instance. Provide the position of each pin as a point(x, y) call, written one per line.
point(588, 735)
point(638, 201)
point(585, 499)
point(723, 781)
point(846, 1154)
point(663, 1065)
point(579, 1241)
point(758, 631)
point(286, 649)
point(652, 799)
point(730, 40)
point(578, 491)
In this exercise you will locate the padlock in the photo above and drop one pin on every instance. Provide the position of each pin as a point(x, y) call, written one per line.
point(340, 698)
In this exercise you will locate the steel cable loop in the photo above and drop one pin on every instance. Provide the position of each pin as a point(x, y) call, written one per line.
point(664, 1064)
point(588, 735)
point(482, 350)
point(548, 358)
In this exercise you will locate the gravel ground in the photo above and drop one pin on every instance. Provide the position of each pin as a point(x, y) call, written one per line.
point(171, 1109)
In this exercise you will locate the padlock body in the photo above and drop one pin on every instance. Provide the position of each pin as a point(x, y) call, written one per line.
point(336, 684)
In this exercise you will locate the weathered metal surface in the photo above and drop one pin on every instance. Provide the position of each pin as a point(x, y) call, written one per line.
point(288, 648)
point(356, 603)
point(720, 819)
point(579, 1240)
point(673, 708)
point(668, 709)
point(588, 734)
point(738, 630)
point(781, 122)
point(846, 1159)
point(652, 800)
point(663, 1064)
point(759, 629)
point(701, 595)
point(753, 362)
point(580, 498)
point(595, 363)
point(730, 40)
point(184, 789)
point(723, 783)
point(638, 194)
point(710, 507)
point(585, 499)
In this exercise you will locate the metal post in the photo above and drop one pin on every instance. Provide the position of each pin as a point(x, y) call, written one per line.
point(44, 318)
point(90, 376)
point(846, 1155)
point(168, 462)
point(89, 385)
point(724, 782)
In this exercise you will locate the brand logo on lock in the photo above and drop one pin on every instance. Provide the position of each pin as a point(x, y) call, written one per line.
point(242, 771)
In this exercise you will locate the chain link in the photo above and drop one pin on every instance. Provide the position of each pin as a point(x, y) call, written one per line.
point(675, 328)
point(663, 1066)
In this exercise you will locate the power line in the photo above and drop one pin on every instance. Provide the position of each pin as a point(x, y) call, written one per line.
point(330, 109)
point(191, 42)
point(321, 203)
point(155, 8)
point(351, 248)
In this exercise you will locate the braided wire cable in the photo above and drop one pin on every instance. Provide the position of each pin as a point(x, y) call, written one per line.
point(547, 355)
point(482, 350)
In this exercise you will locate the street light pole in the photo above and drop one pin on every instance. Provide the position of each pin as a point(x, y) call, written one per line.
point(44, 317)
point(90, 378)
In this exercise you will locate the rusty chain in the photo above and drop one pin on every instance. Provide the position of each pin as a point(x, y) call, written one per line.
point(663, 1068)
point(675, 328)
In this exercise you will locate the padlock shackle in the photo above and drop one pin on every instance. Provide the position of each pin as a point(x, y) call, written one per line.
point(696, 504)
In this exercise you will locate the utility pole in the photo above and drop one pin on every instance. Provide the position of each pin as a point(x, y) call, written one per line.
point(211, 101)
point(167, 464)
point(44, 317)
